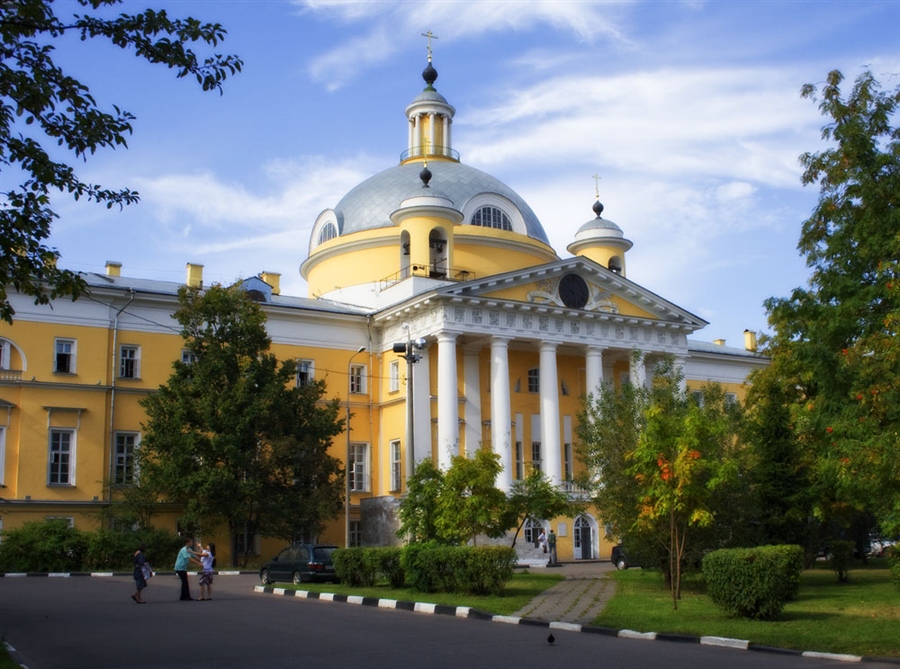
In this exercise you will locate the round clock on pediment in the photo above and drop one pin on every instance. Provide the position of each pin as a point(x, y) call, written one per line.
point(573, 291)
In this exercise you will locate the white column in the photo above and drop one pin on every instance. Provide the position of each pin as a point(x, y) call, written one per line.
point(679, 365)
point(549, 388)
point(448, 400)
point(422, 406)
point(471, 374)
point(446, 134)
point(637, 372)
point(412, 135)
point(593, 369)
point(416, 134)
point(431, 133)
point(501, 418)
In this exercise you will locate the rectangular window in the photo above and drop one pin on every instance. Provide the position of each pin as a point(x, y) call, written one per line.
point(355, 533)
point(520, 461)
point(64, 357)
point(536, 459)
point(247, 544)
point(357, 379)
point(534, 380)
point(358, 467)
point(123, 460)
point(395, 376)
point(731, 399)
point(395, 466)
point(129, 362)
point(567, 451)
point(188, 357)
point(305, 372)
point(61, 466)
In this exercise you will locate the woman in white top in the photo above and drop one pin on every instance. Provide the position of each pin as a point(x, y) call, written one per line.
point(207, 562)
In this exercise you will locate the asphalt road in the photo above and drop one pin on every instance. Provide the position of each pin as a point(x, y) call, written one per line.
point(91, 623)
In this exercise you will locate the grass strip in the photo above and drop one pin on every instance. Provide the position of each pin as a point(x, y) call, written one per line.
point(861, 617)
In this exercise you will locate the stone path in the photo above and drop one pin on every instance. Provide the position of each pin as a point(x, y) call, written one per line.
point(579, 598)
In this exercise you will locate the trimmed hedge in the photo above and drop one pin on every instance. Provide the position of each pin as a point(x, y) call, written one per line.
point(365, 566)
point(476, 570)
point(753, 582)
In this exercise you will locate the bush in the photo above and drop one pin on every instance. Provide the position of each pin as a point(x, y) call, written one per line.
point(753, 582)
point(365, 566)
point(476, 570)
point(893, 555)
point(841, 557)
point(45, 546)
point(391, 566)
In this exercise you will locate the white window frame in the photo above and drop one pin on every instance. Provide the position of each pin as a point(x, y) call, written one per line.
point(5, 348)
point(129, 361)
point(358, 379)
point(306, 371)
point(241, 540)
point(394, 376)
point(2, 455)
point(355, 532)
point(358, 467)
point(396, 471)
point(537, 462)
point(188, 357)
point(534, 380)
point(520, 461)
point(69, 459)
point(127, 464)
point(71, 353)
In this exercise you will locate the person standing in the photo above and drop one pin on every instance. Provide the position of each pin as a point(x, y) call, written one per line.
point(140, 578)
point(185, 556)
point(207, 562)
point(551, 542)
point(542, 539)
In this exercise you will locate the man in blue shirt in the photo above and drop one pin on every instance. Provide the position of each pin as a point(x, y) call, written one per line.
point(185, 556)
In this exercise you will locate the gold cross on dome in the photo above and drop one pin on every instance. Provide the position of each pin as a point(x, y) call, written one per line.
point(597, 185)
point(429, 36)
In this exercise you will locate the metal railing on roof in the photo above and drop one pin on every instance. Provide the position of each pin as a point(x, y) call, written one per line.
point(428, 271)
point(429, 151)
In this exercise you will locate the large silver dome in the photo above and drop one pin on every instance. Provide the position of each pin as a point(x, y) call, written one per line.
point(369, 205)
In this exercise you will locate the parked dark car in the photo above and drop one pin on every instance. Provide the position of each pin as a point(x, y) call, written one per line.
point(618, 557)
point(623, 559)
point(300, 563)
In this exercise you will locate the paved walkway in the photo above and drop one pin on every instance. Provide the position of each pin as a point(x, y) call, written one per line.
point(577, 599)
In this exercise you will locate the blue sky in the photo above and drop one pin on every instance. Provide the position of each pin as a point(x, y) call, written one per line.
point(689, 111)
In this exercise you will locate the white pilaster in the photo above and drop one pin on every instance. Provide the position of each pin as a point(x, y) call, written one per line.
point(422, 406)
point(549, 387)
point(501, 418)
point(448, 400)
point(472, 386)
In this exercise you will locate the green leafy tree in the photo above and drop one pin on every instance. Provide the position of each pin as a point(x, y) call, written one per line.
point(419, 507)
point(669, 464)
point(231, 437)
point(536, 497)
point(40, 103)
point(835, 347)
point(470, 503)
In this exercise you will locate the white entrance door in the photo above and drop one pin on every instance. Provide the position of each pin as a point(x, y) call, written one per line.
point(583, 539)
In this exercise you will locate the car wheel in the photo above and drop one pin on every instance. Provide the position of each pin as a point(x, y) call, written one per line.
point(621, 564)
point(264, 577)
point(297, 578)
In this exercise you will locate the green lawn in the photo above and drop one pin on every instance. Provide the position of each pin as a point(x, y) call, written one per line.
point(861, 617)
point(521, 589)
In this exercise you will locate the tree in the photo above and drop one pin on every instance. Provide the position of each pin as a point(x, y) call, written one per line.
point(660, 460)
point(835, 347)
point(419, 508)
point(40, 103)
point(536, 497)
point(470, 503)
point(231, 437)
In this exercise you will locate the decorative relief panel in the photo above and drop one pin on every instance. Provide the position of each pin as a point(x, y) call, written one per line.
point(459, 315)
point(661, 337)
point(575, 327)
point(559, 324)
point(510, 320)
point(527, 322)
point(620, 332)
point(647, 336)
point(544, 323)
point(494, 318)
point(590, 328)
point(476, 316)
point(633, 333)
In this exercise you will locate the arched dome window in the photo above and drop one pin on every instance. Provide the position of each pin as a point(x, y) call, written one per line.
point(491, 217)
point(327, 232)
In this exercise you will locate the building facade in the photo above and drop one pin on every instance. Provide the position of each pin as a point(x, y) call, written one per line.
point(437, 312)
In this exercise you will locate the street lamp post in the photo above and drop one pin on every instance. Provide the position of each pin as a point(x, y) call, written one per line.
point(347, 461)
point(409, 351)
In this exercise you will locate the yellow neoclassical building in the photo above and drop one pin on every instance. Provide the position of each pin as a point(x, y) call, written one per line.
point(437, 312)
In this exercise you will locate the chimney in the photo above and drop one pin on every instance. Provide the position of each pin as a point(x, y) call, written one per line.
point(273, 279)
point(719, 342)
point(750, 340)
point(113, 268)
point(194, 275)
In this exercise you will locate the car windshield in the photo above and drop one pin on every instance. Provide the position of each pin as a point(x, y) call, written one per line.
point(323, 553)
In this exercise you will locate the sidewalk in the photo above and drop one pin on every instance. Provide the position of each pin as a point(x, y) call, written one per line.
point(577, 599)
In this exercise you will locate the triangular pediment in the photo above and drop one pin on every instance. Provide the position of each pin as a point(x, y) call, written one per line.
point(574, 285)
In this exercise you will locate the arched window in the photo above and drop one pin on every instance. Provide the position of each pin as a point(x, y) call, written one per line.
point(327, 232)
point(491, 217)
